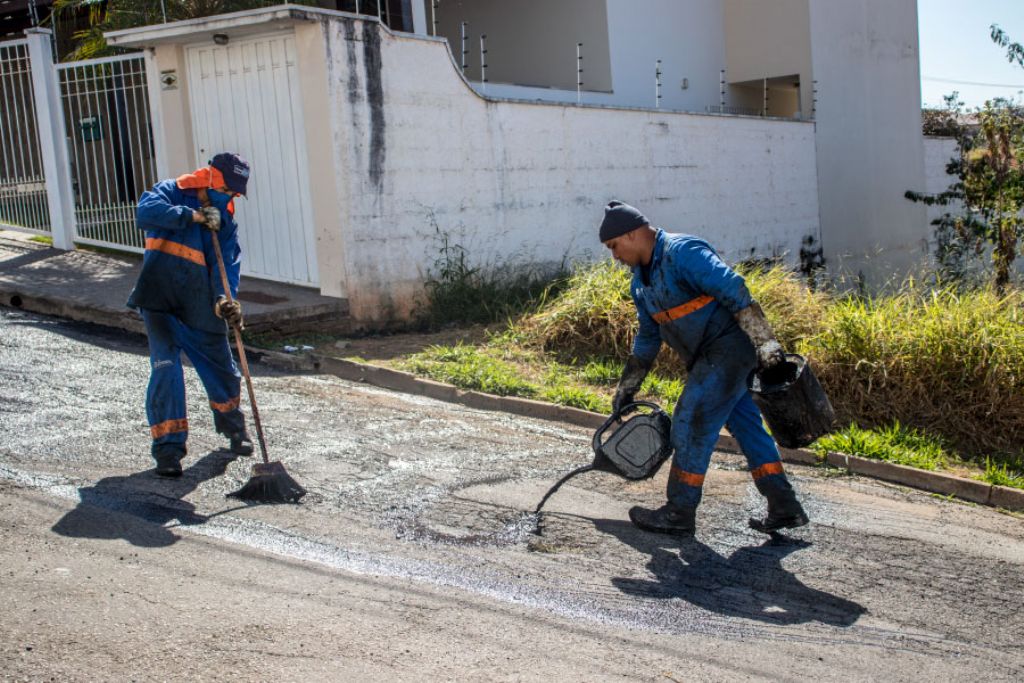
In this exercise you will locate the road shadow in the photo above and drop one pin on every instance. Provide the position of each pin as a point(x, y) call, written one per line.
point(147, 503)
point(751, 583)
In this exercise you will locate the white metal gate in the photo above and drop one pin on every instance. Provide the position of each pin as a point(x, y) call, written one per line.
point(245, 98)
point(23, 199)
point(110, 142)
point(76, 145)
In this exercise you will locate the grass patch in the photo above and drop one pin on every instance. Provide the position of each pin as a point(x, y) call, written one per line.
point(503, 367)
point(895, 443)
point(577, 397)
point(1002, 474)
point(470, 368)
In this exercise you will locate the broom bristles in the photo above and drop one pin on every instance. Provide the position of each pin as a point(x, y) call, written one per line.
point(270, 483)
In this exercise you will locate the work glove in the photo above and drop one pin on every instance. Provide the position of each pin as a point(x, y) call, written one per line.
point(230, 311)
point(633, 375)
point(769, 351)
point(212, 216)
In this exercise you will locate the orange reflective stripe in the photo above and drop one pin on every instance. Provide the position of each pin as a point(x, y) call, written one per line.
point(682, 310)
point(176, 249)
point(169, 427)
point(766, 469)
point(227, 406)
point(688, 478)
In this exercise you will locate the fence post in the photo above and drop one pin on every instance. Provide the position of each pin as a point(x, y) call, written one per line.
point(53, 144)
point(156, 113)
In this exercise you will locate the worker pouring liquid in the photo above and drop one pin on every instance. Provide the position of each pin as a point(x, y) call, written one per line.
point(686, 296)
point(181, 298)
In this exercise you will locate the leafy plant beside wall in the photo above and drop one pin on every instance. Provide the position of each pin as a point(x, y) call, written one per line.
point(989, 185)
point(115, 15)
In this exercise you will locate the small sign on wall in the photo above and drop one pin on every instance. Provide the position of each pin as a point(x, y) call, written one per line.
point(169, 80)
point(91, 128)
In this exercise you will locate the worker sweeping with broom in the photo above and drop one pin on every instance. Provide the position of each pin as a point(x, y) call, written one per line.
point(186, 293)
point(184, 305)
point(686, 296)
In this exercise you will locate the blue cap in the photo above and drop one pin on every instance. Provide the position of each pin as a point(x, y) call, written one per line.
point(234, 168)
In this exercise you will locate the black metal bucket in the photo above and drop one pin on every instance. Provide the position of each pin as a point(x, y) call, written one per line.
point(635, 449)
point(792, 402)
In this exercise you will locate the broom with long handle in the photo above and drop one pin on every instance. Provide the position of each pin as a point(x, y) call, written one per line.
point(270, 482)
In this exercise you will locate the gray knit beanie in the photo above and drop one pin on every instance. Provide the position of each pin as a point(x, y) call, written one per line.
point(620, 218)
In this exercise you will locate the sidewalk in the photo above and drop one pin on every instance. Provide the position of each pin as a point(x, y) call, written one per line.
point(93, 287)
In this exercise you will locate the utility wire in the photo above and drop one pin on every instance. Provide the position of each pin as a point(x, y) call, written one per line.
point(987, 85)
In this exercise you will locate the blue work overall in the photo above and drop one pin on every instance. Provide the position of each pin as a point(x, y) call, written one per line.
point(687, 297)
point(175, 294)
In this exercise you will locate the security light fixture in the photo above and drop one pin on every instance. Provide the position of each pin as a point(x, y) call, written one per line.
point(220, 38)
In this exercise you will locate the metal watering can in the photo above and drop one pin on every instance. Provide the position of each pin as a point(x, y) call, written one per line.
point(634, 449)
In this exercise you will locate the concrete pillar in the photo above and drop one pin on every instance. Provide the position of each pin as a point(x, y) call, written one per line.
point(419, 17)
point(156, 114)
point(53, 144)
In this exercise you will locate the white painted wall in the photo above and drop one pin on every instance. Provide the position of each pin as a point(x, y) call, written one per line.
point(766, 40)
point(689, 38)
point(870, 148)
point(531, 42)
point(531, 49)
point(525, 183)
point(938, 152)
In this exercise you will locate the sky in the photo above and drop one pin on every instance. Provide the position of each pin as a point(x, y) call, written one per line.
point(955, 46)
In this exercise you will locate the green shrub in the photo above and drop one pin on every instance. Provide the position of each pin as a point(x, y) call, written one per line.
point(946, 362)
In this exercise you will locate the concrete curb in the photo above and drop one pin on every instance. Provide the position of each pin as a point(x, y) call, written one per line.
point(941, 483)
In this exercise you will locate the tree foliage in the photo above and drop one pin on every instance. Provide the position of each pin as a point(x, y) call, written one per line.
point(114, 15)
point(988, 193)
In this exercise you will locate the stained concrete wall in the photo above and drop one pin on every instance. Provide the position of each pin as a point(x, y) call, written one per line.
point(870, 148)
point(418, 154)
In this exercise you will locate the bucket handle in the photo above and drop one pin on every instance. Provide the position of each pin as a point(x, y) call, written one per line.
point(617, 417)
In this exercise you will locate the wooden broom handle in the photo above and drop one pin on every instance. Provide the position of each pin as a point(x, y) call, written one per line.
point(205, 199)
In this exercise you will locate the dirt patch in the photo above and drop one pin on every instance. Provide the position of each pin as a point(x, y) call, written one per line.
point(392, 346)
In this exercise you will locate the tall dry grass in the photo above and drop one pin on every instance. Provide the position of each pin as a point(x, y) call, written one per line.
point(948, 362)
point(593, 316)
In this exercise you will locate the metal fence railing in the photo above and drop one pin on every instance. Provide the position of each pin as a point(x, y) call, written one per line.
point(23, 198)
point(110, 140)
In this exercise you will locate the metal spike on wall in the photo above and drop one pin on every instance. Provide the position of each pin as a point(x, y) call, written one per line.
point(579, 73)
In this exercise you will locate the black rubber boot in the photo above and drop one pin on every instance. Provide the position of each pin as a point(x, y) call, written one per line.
point(241, 444)
point(168, 463)
point(671, 519)
point(784, 511)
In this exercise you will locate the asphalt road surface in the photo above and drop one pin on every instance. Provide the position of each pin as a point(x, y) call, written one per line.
point(413, 556)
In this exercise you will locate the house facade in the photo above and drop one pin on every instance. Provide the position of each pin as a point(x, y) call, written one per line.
point(767, 131)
